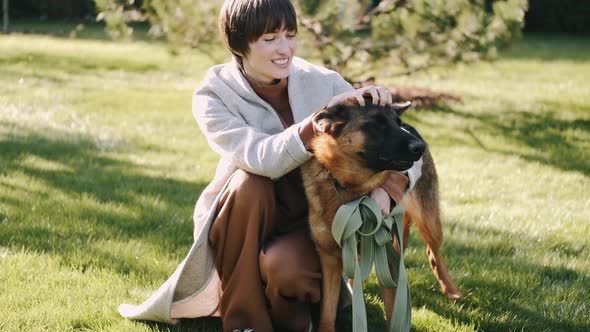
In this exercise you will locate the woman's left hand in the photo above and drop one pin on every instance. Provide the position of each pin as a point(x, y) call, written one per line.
point(379, 95)
point(382, 198)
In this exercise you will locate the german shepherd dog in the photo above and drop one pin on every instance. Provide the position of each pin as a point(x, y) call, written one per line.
point(355, 145)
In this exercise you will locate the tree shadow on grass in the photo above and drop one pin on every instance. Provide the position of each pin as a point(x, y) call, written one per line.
point(550, 47)
point(92, 198)
point(493, 302)
point(208, 324)
point(114, 201)
point(543, 135)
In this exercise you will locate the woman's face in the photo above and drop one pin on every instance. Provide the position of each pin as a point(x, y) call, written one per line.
point(270, 56)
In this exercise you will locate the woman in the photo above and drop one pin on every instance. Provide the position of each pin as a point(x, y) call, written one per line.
point(253, 262)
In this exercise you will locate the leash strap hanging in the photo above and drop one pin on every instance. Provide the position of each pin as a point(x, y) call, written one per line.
point(401, 317)
point(360, 224)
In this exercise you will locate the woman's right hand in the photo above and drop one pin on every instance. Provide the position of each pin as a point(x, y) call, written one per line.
point(380, 96)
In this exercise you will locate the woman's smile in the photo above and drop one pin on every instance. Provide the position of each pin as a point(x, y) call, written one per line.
point(281, 62)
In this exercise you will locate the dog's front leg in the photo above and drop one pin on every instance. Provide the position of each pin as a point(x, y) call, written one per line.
point(331, 275)
point(388, 295)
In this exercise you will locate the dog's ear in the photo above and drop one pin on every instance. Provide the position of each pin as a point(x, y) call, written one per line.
point(328, 126)
point(400, 108)
point(330, 121)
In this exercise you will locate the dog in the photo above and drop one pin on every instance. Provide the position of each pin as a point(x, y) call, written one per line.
point(355, 146)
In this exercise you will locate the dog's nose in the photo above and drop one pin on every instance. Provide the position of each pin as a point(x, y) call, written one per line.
point(417, 147)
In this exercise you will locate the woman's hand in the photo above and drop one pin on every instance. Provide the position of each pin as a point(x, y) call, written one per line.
point(391, 191)
point(380, 96)
point(382, 198)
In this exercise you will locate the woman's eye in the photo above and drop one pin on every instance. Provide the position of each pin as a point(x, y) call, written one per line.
point(269, 39)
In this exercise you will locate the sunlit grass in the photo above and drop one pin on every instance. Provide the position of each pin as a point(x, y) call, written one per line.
point(101, 163)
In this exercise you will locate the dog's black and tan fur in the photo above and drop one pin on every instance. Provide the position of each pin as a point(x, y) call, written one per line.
point(355, 145)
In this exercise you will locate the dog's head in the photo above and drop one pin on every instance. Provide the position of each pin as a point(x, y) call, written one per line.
point(357, 143)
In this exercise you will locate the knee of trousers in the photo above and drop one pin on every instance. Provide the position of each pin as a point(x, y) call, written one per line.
point(290, 267)
point(251, 190)
point(246, 207)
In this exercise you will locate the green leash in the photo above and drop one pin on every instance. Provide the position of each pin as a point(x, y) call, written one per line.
point(360, 223)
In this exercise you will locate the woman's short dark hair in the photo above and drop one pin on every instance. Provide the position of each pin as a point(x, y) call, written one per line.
point(244, 21)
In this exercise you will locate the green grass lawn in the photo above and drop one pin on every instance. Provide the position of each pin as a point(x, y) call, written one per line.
point(101, 163)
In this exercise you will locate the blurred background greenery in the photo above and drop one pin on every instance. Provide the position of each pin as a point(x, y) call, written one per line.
point(357, 38)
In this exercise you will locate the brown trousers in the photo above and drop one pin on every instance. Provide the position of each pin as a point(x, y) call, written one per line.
point(269, 270)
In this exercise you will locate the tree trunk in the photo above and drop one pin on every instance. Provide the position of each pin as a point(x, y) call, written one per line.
point(5, 26)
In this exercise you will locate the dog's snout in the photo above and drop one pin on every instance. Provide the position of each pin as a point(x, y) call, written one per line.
point(417, 147)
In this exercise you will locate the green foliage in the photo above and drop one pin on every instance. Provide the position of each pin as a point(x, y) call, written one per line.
point(117, 14)
point(403, 35)
point(184, 22)
point(309, 7)
point(191, 23)
point(408, 36)
point(331, 28)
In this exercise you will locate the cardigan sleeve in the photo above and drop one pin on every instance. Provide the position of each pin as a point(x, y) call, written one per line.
point(250, 149)
point(341, 85)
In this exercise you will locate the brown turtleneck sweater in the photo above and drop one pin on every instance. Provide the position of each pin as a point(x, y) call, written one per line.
point(290, 195)
point(277, 96)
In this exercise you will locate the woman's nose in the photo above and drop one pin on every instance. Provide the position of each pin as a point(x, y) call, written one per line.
point(285, 45)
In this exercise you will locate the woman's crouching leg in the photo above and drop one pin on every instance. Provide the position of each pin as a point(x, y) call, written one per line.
point(291, 270)
point(245, 219)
